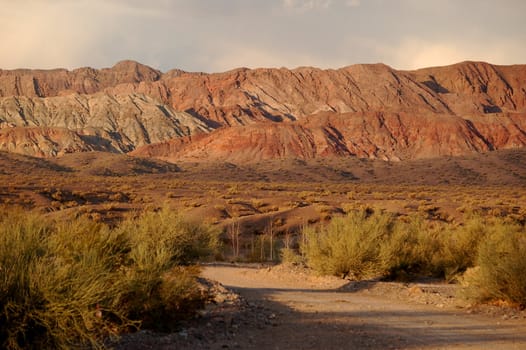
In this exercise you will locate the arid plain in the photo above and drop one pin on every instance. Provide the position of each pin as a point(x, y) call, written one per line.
point(269, 159)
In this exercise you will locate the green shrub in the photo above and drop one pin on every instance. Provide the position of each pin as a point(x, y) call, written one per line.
point(348, 245)
point(501, 262)
point(290, 256)
point(460, 246)
point(161, 301)
point(158, 291)
point(50, 291)
point(403, 250)
point(383, 246)
point(164, 239)
point(75, 282)
point(420, 248)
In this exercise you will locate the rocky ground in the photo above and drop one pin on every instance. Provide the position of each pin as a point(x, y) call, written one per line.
point(286, 307)
point(216, 327)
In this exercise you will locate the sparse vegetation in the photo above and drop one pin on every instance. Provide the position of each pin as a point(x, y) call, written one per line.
point(379, 245)
point(432, 230)
point(74, 282)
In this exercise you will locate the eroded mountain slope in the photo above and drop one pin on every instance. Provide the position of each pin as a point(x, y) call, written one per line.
point(113, 123)
point(369, 110)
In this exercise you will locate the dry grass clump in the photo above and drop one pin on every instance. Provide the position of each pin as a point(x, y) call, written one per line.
point(73, 283)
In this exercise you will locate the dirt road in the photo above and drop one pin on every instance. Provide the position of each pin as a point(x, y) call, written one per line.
point(301, 311)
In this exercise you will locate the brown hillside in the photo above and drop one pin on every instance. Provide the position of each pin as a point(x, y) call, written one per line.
point(477, 87)
point(46, 83)
point(109, 164)
point(387, 136)
point(44, 141)
point(244, 94)
point(370, 111)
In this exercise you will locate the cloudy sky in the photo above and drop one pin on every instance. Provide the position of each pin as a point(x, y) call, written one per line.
point(218, 35)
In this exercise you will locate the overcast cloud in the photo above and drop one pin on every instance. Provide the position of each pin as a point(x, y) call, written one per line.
point(218, 35)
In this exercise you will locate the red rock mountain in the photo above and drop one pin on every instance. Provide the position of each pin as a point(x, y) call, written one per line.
point(375, 135)
point(48, 83)
point(369, 111)
point(44, 141)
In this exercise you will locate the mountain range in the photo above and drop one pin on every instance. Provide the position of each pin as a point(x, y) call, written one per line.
point(248, 115)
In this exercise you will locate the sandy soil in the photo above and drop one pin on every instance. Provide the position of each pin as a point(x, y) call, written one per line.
point(328, 313)
point(285, 307)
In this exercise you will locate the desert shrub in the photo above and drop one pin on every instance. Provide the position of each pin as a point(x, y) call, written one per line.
point(460, 246)
point(50, 292)
point(160, 242)
point(404, 250)
point(161, 300)
point(429, 250)
point(163, 238)
point(409, 247)
point(500, 265)
point(73, 283)
point(418, 247)
point(348, 245)
point(492, 250)
point(380, 245)
point(290, 256)
point(76, 239)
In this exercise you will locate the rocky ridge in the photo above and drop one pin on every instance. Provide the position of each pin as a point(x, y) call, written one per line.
point(370, 111)
point(375, 135)
point(55, 82)
point(112, 123)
